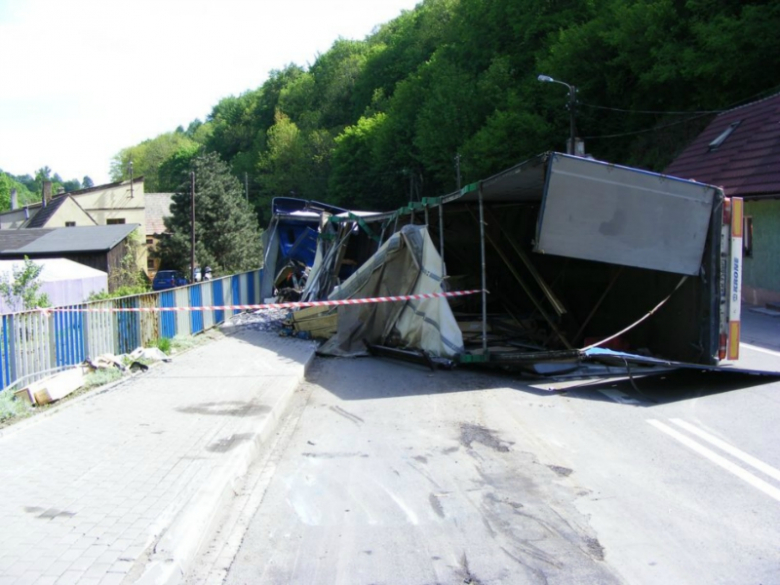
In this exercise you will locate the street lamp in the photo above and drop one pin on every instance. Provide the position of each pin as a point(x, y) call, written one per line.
point(572, 102)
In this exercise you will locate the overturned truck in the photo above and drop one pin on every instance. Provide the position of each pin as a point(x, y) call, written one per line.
point(577, 261)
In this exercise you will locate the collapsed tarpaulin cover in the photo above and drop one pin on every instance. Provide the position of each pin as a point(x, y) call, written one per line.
point(408, 263)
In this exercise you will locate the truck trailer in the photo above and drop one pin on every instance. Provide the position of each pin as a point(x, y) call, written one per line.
point(578, 260)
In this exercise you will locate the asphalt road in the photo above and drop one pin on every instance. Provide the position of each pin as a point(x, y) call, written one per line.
point(389, 473)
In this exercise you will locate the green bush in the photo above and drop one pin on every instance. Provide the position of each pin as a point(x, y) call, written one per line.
point(164, 345)
point(122, 291)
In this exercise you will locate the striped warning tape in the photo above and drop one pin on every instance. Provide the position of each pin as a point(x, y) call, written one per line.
point(296, 305)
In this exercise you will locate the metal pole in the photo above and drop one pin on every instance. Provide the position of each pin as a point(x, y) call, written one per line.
point(572, 131)
point(457, 169)
point(484, 271)
point(441, 240)
point(192, 224)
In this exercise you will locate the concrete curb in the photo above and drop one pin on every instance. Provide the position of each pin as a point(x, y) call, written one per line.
point(177, 548)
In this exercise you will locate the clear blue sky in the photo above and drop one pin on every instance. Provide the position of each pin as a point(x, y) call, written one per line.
point(82, 79)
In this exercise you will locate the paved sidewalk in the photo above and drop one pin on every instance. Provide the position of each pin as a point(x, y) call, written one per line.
point(121, 486)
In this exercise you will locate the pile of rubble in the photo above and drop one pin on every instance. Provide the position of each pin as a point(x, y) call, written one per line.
point(271, 320)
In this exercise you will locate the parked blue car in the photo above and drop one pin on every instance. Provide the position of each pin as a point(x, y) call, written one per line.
point(168, 279)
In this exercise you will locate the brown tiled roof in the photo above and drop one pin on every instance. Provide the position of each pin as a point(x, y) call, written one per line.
point(157, 208)
point(747, 163)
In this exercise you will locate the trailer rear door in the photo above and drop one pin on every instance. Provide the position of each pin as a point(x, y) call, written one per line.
point(607, 213)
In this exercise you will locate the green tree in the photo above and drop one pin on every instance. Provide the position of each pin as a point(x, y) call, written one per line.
point(147, 158)
point(20, 290)
point(72, 185)
point(356, 180)
point(226, 229)
point(23, 193)
point(174, 170)
point(295, 162)
point(5, 192)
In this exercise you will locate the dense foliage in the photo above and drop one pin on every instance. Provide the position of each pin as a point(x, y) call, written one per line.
point(377, 122)
point(226, 230)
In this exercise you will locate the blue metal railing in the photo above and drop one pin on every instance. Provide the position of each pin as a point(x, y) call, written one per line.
point(34, 344)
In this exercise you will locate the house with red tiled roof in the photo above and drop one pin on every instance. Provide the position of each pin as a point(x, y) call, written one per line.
point(740, 152)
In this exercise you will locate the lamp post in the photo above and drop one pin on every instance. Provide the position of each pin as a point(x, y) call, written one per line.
point(572, 103)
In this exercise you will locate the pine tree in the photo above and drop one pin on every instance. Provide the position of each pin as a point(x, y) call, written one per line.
point(227, 234)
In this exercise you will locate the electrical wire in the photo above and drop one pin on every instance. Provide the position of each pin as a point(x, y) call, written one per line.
point(699, 114)
point(670, 112)
point(653, 129)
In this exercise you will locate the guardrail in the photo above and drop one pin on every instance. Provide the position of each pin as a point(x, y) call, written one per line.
point(34, 344)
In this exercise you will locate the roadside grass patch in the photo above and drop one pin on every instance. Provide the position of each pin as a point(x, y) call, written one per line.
point(184, 342)
point(12, 407)
point(101, 377)
point(164, 345)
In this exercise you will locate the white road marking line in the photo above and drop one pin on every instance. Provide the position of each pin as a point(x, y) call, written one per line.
point(757, 483)
point(619, 397)
point(741, 455)
point(761, 349)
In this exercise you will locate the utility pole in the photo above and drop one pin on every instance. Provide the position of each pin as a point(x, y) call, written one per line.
point(572, 113)
point(192, 224)
point(457, 169)
point(571, 148)
point(130, 169)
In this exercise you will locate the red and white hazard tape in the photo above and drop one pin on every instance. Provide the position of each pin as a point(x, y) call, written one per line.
point(297, 305)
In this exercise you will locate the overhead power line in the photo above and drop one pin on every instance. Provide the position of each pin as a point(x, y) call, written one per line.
point(653, 129)
point(696, 114)
point(664, 112)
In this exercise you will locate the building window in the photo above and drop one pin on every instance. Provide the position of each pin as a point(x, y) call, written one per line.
point(70, 224)
point(115, 221)
point(715, 144)
point(150, 264)
point(150, 241)
point(747, 237)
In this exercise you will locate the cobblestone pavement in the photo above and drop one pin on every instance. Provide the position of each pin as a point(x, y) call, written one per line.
point(120, 486)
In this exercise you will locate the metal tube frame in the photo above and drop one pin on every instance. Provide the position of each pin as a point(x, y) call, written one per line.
point(484, 271)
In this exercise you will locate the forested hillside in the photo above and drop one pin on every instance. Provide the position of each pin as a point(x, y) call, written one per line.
point(374, 123)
